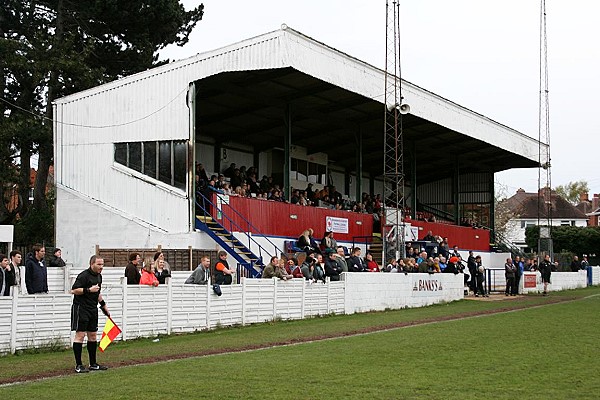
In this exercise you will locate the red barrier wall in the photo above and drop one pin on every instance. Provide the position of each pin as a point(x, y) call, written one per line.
point(289, 220)
point(283, 219)
point(462, 236)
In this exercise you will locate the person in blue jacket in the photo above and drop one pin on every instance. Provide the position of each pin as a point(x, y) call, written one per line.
point(36, 275)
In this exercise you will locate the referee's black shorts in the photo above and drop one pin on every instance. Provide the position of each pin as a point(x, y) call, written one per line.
point(84, 319)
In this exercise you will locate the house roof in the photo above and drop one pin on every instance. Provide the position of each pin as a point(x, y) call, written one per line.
point(584, 206)
point(526, 205)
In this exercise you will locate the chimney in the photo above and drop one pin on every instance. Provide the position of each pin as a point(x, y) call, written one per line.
point(583, 197)
point(596, 201)
point(521, 190)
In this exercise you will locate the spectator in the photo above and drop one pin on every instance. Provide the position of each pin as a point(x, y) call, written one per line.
point(456, 253)
point(332, 269)
point(148, 277)
point(161, 271)
point(429, 237)
point(371, 264)
point(201, 274)
point(519, 272)
point(56, 259)
point(328, 242)
point(276, 269)
point(584, 263)
point(442, 263)
point(534, 265)
point(159, 255)
point(432, 265)
point(308, 267)
point(132, 270)
point(575, 264)
point(319, 268)
point(341, 259)
point(294, 268)
point(36, 275)
point(422, 262)
point(422, 257)
point(304, 242)
point(444, 248)
point(223, 274)
point(472, 266)
point(281, 270)
point(230, 170)
point(546, 271)
point(355, 262)
point(479, 278)
point(236, 179)
point(4, 287)
point(509, 273)
point(13, 273)
point(201, 174)
point(451, 266)
point(310, 194)
point(270, 268)
point(392, 266)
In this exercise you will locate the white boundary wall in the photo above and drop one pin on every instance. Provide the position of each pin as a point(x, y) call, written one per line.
point(559, 281)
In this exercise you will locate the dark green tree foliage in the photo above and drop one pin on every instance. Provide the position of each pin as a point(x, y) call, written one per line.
point(574, 239)
point(49, 49)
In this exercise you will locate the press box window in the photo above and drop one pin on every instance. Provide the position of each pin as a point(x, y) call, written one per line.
point(163, 160)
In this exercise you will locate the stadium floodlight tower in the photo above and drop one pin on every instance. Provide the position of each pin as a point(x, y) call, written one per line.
point(545, 245)
point(393, 152)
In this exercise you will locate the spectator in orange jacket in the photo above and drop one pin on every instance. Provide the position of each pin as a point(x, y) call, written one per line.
point(148, 277)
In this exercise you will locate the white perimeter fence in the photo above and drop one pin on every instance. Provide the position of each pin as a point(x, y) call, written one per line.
point(30, 321)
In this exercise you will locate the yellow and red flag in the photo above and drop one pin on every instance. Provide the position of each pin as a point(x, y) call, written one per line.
point(110, 332)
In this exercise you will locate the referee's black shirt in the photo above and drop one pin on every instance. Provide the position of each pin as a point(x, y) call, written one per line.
point(87, 279)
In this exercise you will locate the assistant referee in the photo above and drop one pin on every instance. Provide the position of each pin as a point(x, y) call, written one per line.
point(84, 313)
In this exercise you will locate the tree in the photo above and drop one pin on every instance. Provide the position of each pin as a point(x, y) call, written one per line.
point(502, 213)
point(572, 191)
point(52, 48)
point(575, 239)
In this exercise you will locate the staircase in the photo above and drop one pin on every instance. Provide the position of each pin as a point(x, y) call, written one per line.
point(252, 260)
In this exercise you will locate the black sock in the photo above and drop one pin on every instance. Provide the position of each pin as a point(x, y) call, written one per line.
point(91, 346)
point(77, 347)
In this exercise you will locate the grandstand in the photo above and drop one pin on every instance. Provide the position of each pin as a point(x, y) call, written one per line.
point(298, 111)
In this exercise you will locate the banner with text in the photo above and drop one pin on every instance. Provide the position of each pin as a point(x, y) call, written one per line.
point(336, 225)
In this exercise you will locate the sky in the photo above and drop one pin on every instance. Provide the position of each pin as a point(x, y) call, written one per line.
point(482, 55)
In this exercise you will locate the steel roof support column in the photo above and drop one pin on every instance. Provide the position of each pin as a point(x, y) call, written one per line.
point(455, 191)
point(413, 181)
point(359, 161)
point(287, 143)
point(492, 221)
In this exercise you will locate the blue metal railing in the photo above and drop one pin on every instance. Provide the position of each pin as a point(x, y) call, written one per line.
point(252, 243)
point(252, 228)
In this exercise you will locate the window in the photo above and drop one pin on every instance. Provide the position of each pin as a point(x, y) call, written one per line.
point(165, 160)
point(307, 171)
point(527, 224)
point(150, 161)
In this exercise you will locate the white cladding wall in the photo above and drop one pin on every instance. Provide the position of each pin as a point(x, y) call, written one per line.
point(86, 223)
point(148, 106)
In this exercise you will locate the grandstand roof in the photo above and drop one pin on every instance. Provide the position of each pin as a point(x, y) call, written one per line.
point(243, 91)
